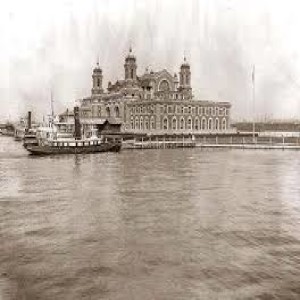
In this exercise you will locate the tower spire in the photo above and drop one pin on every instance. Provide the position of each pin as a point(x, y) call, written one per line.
point(97, 78)
point(130, 66)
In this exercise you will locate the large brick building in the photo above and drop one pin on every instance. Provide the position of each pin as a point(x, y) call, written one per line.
point(152, 102)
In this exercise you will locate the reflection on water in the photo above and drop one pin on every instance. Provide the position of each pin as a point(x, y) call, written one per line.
point(152, 224)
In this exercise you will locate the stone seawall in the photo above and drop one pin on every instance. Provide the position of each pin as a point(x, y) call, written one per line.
point(232, 140)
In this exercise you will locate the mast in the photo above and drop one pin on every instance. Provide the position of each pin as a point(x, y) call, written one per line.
point(253, 103)
point(51, 116)
point(52, 106)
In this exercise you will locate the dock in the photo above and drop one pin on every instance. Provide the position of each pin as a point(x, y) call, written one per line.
point(227, 140)
point(250, 146)
point(158, 144)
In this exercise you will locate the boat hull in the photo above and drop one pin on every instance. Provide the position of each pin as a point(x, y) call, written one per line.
point(50, 150)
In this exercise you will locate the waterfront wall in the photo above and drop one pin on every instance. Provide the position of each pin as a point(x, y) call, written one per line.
point(283, 126)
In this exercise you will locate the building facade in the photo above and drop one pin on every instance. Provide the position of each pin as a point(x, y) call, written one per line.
point(153, 102)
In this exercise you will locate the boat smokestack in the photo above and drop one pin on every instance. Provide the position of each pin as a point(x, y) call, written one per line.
point(29, 120)
point(77, 123)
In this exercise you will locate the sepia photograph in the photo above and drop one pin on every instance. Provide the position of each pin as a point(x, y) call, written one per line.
point(149, 150)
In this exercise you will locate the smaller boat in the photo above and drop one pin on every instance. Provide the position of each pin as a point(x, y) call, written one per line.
point(47, 140)
point(19, 133)
point(20, 128)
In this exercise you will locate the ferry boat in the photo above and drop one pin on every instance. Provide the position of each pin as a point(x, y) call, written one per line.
point(48, 140)
point(47, 146)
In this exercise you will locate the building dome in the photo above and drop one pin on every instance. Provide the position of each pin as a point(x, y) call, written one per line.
point(130, 56)
point(97, 69)
point(185, 64)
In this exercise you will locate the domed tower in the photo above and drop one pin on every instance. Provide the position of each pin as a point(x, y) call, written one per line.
point(130, 66)
point(97, 80)
point(185, 76)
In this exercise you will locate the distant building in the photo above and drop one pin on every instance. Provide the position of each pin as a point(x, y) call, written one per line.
point(152, 102)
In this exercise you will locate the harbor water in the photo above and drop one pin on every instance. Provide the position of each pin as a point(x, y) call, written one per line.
point(150, 224)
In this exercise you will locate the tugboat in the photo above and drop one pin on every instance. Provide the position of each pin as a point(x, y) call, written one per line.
point(46, 141)
point(20, 128)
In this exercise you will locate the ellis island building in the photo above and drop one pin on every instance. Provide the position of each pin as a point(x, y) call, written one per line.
point(155, 102)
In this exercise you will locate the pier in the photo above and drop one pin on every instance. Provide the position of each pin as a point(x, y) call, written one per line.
point(228, 140)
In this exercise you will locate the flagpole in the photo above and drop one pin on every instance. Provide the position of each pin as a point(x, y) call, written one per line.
point(253, 102)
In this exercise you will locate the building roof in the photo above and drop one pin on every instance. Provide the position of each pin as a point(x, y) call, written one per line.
point(92, 121)
point(67, 112)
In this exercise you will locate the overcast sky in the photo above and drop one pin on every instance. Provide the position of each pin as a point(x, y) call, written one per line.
point(55, 44)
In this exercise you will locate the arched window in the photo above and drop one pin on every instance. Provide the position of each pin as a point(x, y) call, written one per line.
point(117, 112)
point(132, 123)
point(141, 123)
point(217, 124)
point(147, 123)
point(182, 123)
point(137, 124)
point(224, 124)
point(190, 124)
point(165, 123)
point(203, 124)
point(164, 86)
point(196, 123)
point(174, 123)
point(152, 123)
point(131, 73)
point(107, 111)
point(210, 124)
point(98, 82)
